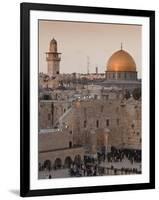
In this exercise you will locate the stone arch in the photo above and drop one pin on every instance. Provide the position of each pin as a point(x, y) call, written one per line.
point(67, 162)
point(58, 163)
point(77, 159)
point(47, 164)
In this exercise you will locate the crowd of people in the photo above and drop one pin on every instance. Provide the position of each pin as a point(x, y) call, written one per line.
point(92, 166)
point(87, 167)
point(117, 155)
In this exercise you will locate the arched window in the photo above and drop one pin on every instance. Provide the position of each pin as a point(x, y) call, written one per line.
point(47, 164)
point(57, 163)
point(67, 162)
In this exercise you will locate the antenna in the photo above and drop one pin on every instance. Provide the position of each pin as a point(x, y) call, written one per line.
point(121, 46)
point(88, 63)
point(96, 69)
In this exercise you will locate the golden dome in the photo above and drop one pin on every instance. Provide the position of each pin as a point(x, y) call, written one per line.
point(121, 61)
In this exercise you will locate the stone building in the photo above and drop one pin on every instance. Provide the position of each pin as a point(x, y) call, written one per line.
point(77, 119)
point(90, 125)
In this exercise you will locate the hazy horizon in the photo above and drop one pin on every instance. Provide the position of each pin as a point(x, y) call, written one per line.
point(77, 41)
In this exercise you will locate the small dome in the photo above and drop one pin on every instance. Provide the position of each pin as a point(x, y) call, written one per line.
point(121, 61)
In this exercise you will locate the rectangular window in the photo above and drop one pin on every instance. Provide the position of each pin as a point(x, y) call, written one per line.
point(97, 123)
point(117, 121)
point(107, 122)
point(70, 144)
point(85, 124)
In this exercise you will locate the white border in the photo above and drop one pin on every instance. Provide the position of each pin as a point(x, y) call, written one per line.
point(85, 181)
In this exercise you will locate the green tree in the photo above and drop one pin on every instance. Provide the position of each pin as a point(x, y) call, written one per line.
point(136, 93)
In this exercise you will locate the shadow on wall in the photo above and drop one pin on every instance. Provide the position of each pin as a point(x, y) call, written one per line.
point(15, 192)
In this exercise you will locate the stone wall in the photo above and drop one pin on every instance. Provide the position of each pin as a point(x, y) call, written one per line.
point(50, 111)
point(87, 122)
point(54, 140)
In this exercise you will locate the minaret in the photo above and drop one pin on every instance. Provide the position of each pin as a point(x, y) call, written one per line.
point(53, 59)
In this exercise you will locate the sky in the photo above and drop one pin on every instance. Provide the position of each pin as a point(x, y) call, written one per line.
point(77, 41)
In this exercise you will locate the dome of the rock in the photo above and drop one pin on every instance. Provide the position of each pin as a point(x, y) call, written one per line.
point(121, 61)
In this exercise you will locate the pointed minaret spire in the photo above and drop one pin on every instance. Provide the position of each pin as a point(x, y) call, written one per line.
point(121, 46)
